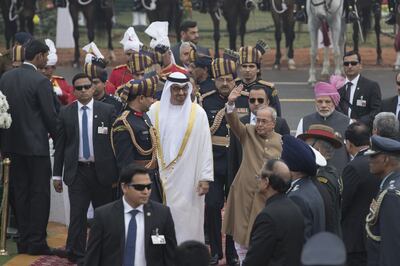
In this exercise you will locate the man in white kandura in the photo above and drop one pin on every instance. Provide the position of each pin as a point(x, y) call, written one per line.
point(184, 155)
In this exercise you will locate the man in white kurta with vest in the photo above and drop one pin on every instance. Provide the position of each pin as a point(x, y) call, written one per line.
point(184, 155)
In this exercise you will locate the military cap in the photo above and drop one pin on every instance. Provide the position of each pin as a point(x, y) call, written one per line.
point(203, 61)
point(298, 156)
point(18, 54)
point(94, 70)
point(323, 132)
point(222, 67)
point(252, 55)
point(383, 145)
point(135, 87)
point(140, 62)
point(22, 37)
point(231, 55)
point(324, 248)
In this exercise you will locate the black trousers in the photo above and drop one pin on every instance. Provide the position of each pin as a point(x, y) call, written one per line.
point(30, 196)
point(357, 259)
point(84, 189)
point(214, 203)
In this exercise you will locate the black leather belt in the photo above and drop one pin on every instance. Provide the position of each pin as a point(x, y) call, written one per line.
point(86, 164)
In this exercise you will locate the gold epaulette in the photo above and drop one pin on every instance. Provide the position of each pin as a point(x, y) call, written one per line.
point(122, 117)
point(266, 83)
point(121, 66)
point(204, 95)
point(57, 77)
point(322, 179)
point(217, 121)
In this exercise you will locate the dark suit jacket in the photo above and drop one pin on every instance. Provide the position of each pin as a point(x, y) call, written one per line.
point(67, 143)
point(369, 91)
point(277, 235)
point(175, 52)
point(359, 188)
point(107, 235)
point(235, 148)
point(390, 104)
point(30, 96)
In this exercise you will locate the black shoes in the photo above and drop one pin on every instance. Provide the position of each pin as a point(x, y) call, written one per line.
point(63, 253)
point(301, 16)
point(232, 261)
point(391, 19)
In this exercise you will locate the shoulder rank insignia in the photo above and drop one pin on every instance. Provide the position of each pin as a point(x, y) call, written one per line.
point(322, 179)
point(266, 83)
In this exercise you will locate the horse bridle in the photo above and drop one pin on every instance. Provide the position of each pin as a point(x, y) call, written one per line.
point(327, 5)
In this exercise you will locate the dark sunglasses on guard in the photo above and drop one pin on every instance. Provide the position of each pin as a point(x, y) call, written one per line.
point(259, 100)
point(353, 63)
point(140, 187)
point(86, 87)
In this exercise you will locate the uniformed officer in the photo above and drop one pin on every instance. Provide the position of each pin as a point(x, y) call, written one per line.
point(213, 103)
point(61, 88)
point(250, 72)
point(133, 136)
point(382, 223)
point(131, 44)
point(95, 66)
point(138, 64)
point(324, 140)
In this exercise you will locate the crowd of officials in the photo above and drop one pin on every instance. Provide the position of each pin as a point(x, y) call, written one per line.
point(166, 141)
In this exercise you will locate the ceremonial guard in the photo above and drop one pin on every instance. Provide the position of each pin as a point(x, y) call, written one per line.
point(131, 44)
point(133, 136)
point(213, 103)
point(95, 66)
point(61, 88)
point(250, 72)
point(382, 223)
point(201, 72)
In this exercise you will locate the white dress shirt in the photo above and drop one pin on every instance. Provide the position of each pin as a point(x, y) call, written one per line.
point(253, 119)
point(89, 112)
point(398, 106)
point(353, 89)
point(140, 257)
point(30, 64)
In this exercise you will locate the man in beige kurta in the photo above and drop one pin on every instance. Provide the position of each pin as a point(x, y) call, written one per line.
point(259, 143)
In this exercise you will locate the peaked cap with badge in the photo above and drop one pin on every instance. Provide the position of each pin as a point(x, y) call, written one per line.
point(323, 132)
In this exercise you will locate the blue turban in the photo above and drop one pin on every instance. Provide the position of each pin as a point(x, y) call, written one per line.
point(298, 156)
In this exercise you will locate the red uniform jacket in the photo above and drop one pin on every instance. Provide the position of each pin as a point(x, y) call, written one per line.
point(120, 75)
point(66, 89)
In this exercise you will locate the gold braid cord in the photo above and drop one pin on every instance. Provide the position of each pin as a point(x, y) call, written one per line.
point(373, 215)
point(217, 121)
point(127, 127)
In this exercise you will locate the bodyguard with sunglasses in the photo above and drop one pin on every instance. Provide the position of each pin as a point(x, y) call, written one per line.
point(392, 104)
point(83, 149)
point(133, 230)
point(360, 98)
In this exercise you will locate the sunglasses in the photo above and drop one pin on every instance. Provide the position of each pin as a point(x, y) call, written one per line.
point(353, 63)
point(140, 187)
point(259, 100)
point(398, 83)
point(86, 87)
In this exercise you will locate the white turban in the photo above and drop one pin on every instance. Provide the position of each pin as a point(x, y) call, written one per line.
point(158, 31)
point(131, 40)
point(92, 51)
point(52, 56)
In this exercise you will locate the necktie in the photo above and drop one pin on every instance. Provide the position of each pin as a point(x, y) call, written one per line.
point(348, 90)
point(130, 246)
point(85, 134)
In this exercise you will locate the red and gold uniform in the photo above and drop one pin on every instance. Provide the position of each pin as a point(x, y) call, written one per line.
point(120, 75)
point(66, 89)
point(110, 88)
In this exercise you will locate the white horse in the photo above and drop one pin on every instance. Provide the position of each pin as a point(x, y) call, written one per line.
point(330, 11)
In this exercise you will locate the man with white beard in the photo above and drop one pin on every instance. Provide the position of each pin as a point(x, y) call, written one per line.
point(184, 153)
point(326, 100)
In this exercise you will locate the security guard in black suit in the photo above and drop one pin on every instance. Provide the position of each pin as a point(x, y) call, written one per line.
point(213, 103)
point(250, 62)
point(382, 223)
point(133, 136)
